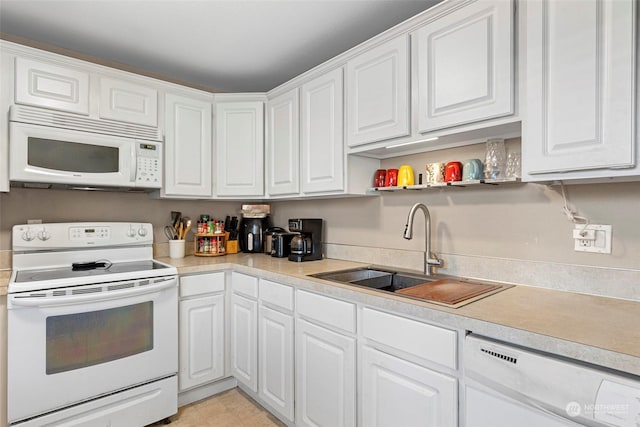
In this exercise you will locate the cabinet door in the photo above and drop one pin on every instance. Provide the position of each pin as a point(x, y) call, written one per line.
point(201, 340)
point(239, 148)
point(322, 151)
point(51, 86)
point(399, 393)
point(7, 84)
point(378, 93)
point(580, 92)
point(244, 341)
point(325, 377)
point(465, 65)
point(128, 102)
point(187, 147)
point(283, 144)
point(275, 360)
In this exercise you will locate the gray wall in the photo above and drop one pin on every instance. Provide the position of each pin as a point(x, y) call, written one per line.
point(520, 221)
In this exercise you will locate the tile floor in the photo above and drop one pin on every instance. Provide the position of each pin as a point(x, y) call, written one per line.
point(232, 408)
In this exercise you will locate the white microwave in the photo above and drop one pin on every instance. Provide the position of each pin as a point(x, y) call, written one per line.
point(54, 149)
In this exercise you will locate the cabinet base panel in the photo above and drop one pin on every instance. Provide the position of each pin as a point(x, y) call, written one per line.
point(205, 391)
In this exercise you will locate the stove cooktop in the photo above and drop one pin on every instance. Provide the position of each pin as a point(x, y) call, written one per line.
point(68, 272)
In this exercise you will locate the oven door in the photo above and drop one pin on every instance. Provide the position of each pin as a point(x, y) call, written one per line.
point(69, 346)
point(43, 154)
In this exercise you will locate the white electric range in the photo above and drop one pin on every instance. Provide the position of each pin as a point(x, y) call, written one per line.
point(92, 326)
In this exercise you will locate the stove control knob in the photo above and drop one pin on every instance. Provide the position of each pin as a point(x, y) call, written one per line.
point(142, 231)
point(44, 235)
point(28, 236)
point(131, 232)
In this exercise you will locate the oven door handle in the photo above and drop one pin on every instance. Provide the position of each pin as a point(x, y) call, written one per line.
point(43, 301)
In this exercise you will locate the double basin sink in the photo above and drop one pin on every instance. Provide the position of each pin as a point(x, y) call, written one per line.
point(445, 290)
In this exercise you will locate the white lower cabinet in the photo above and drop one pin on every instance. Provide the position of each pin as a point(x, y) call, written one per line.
point(201, 342)
point(325, 377)
point(319, 361)
point(244, 334)
point(244, 330)
point(325, 361)
point(275, 360)
point(275, 347)
point(395, 392)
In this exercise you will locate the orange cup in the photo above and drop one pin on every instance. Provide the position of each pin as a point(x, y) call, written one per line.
point(453, 172)
point(391, 179)
point(379, 177)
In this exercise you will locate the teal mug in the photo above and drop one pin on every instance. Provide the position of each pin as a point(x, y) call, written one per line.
point(472, 170)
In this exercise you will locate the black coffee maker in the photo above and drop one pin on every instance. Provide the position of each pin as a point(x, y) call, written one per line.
point(307, 244)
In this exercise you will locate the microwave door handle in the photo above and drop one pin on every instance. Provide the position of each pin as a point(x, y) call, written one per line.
point(26, 301)
point(134, 164)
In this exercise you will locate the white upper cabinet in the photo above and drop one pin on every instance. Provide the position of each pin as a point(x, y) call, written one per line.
point(128, 102)
point(465, 65)
point(239, 148)
point(51, 86)
point(378, 93)
point(322, 143)
point(580, 88)
point(187, 147)
point(283, 144)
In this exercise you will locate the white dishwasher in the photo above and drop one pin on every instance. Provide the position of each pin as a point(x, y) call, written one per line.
point(509, 386)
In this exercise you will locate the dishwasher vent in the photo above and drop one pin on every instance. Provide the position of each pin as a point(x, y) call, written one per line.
point(502, 356)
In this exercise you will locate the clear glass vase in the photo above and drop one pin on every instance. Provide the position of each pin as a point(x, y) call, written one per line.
point(495, 160)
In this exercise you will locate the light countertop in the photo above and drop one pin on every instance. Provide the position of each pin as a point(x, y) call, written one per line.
point(594, 329)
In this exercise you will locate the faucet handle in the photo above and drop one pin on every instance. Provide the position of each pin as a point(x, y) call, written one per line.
point(434, 261)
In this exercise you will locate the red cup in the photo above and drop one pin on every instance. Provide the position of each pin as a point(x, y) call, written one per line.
point(391, 179)
point(379, 178)
point(453, 172)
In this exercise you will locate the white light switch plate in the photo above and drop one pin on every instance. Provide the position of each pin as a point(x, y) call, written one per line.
point(592, 238)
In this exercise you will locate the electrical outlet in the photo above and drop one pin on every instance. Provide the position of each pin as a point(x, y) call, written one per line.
point(592, 238)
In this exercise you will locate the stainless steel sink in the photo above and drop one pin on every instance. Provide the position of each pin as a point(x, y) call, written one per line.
point(375, 278)
point(382, 279)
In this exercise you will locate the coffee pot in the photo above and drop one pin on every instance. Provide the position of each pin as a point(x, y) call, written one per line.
point(306, 245)
point(301, 245)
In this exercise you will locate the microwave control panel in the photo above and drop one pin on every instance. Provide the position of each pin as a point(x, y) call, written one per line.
point(148, 171)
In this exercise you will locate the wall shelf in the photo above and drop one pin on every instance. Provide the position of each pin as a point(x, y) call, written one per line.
point(457, 184)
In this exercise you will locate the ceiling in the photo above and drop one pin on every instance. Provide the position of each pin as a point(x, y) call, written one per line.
point(223, 45)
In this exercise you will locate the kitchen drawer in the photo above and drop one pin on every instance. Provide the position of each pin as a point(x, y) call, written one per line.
point(425, 341)
point(276, 294)
point(201, 284)
point(244, 285)
point(330, 311)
